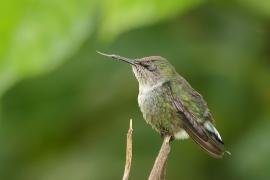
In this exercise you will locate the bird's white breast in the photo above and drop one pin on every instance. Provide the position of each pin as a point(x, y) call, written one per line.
point(144, 91)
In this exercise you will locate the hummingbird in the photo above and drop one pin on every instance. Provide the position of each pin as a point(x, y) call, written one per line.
point(171, 106)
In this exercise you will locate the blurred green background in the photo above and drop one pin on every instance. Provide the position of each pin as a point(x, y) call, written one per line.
point(65, 110)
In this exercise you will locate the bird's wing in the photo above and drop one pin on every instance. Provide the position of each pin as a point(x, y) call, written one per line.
point(192, 99)
point(202, 132)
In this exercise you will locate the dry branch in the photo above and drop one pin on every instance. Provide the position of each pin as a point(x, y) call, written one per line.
point(158, 171)
point(128, 152)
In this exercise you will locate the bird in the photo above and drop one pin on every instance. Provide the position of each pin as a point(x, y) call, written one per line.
point(171, 106)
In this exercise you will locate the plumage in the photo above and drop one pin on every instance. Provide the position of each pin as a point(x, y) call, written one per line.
point(171, 106)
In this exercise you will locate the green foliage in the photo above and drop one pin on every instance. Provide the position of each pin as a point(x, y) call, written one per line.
point(65, 109)
point(260, 7)
point(122, 15)
point(253, 163)
point(36, 36)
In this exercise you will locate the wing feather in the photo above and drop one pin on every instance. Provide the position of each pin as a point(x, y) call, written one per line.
point(196, 130)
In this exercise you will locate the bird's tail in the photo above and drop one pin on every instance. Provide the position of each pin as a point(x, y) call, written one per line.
point(213, 144)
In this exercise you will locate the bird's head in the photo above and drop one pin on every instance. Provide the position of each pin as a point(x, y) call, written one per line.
point(148, 70)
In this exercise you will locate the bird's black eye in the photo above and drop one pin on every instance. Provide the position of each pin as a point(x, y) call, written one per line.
point(151, 67)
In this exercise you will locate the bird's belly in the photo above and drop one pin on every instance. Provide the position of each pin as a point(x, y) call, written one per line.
point(158, 111)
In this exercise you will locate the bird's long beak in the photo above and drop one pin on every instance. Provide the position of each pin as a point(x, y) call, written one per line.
point(120, 58)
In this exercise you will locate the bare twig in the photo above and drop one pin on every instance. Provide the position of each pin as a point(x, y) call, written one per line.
point(128, 152)
point(158, 171)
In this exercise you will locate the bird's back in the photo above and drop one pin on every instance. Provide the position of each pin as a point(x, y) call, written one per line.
point(197, 120)
point(191, 99)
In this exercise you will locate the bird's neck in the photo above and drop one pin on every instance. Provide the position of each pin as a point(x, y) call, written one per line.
point(145, 88)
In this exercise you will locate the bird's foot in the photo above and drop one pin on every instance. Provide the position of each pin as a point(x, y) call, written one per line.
point(172, 138)
point(163, 133)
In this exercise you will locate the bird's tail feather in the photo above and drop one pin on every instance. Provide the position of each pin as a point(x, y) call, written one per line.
point(211, 146)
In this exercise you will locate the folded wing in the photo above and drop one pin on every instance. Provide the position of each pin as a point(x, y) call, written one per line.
point(197, 121)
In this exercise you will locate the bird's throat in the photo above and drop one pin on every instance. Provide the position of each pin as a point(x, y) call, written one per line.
point(144, 88)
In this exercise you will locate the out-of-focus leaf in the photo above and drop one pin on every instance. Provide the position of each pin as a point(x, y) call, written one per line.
point(36, 36)
point(122, 15)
